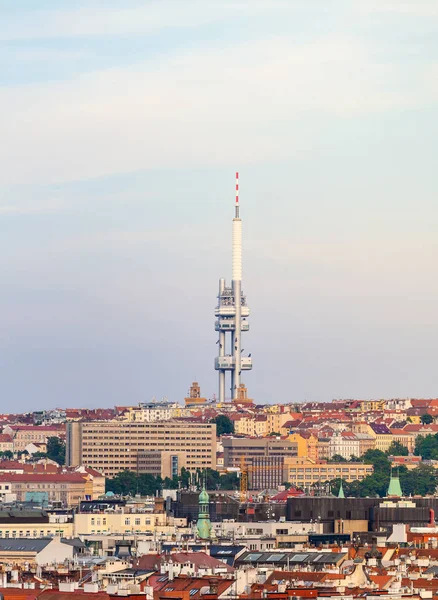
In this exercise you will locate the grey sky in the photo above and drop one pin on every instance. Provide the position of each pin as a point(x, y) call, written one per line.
point(123, 124)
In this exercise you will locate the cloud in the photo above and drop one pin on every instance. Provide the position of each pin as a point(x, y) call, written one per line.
point(25, 210)
point(245, 102)
point(100, 19)
point(419, 8)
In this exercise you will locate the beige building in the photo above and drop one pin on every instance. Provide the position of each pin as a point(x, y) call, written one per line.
point(245, 450)
point(276, 420)
point(406, 439)
point(302, 472)
point(67, 488)
point(113, 446)
point(48, 526)
point(125, 523)
point(252, 425)
point(22, 435)
point(161, 463)
point(6, 443)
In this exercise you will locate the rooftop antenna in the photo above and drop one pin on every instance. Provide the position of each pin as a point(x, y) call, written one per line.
point(237, 196)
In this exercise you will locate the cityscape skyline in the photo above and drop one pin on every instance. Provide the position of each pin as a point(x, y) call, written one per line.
point(125, 128)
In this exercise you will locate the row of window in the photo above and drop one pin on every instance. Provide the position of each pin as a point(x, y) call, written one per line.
point(28, 534)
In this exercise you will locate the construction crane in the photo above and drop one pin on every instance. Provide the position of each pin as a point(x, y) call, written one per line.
point(243, 480)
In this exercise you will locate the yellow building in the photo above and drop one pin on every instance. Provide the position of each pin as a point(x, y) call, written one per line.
point(369, 405)
point(406, 439)
point(382, 435)
point(252, 426)
point(303, 472)
point(124, 523)
point(307, 445)
point(276, 420)
point(46, 526)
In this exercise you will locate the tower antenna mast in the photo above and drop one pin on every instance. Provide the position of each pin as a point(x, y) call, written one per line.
point(231, 313)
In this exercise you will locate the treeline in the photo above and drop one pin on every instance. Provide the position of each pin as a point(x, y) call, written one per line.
point(129, 483)
point(419, 481)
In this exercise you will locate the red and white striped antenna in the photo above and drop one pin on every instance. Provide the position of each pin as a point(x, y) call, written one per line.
point(237, 195)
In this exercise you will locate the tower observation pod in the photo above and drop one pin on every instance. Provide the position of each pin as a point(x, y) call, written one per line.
point(231, 316)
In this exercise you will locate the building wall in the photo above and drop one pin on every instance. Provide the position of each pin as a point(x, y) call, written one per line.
point(68, 493)
point(406, 439)
point(22, 436)
point(303, 472)
point(35, 530)
point(113, 446)
point(162, 463)
point(237, 450)
point(302, 445)
point(73, 454)
point(266, 473)
point(252, 427)
point(344, 446)
point(95, 523)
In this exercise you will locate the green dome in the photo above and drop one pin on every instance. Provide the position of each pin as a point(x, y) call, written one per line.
point(203, 497)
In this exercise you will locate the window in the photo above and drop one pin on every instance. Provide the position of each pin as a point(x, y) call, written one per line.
point(127, 521)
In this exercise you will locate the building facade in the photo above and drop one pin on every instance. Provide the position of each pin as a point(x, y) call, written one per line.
point(114, 446)
point(22, 435)
point(238, 451)
point(303, 473)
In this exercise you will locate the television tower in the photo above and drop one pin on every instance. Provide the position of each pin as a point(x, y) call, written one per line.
point(232, 313)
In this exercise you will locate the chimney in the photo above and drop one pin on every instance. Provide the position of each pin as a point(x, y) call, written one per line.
point(214, 586)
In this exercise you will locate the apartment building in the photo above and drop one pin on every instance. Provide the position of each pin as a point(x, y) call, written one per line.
point(404, 438)
point(252, 425)
point(6, 443)
point(344, 444)
point(382, 435)
point(66, 488)
point(18, 523)
point(307, 444)
point(302, 472)
point(125, 523)
point(23, 435)
point(238, 451)
point(152, 411)
point(114, 446)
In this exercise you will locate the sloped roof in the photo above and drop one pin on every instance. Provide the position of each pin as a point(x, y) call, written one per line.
point(23, 544)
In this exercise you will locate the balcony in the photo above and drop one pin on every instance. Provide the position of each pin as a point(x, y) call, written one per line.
point(229, 325)
point(246, 363)
point(224, 362)
point(227, 309)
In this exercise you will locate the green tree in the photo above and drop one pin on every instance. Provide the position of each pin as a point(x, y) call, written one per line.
point(420, 481)
point(378, 459)
point(426, 419)
point(355, 459)
point(224, 425)
point(123, 483)
point(229, 481)
point(56, 450)
point(426, 446)
point(185, 478)
point(337, 458)
point(6, 454)
point(375, 485)
point(171, 483)
point(397, 449)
